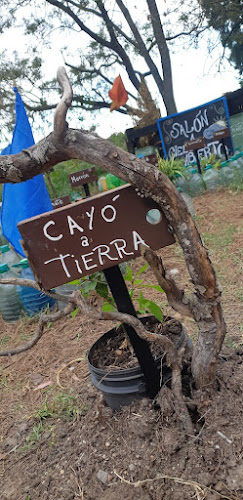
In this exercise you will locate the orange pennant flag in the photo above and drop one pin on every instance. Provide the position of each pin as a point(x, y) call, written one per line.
point(118, 94)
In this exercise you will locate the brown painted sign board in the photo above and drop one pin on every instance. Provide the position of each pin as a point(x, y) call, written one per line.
point(60, 202)
point(82, 177)
point(91, 235)
point(221, 134)
point(195, 144)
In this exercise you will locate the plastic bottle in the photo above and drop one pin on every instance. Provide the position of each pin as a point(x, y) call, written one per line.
point(238, 167)
point(227, 174)
point(212, 178)
point(33, 301)
point(113, 181)
point(239, 163)
point(195, 185)
point(181, 183)
point(10, 257)
point(10, 303)
point(190, 168)
point(102, 184)
point(3, 240)
point(188, 201)
point(67, 290)
point(239, 170)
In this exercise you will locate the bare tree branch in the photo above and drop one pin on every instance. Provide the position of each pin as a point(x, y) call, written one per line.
point(141, 45)
point(64, 104)
point(97, 71)
point(44, 319)
point(36, 286)
point(164, 56)
point(117, 47)
point(115, 26)
point(176, 297)
point(187, 33)
point(82, 26)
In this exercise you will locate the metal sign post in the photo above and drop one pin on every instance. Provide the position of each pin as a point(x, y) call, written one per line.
point(195, 145)
point(83, 178)
point(221, 135)
point(141, 348)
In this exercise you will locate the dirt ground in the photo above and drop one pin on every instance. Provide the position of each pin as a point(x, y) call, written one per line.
point(59, 441)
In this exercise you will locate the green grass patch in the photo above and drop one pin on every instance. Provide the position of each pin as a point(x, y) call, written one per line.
point(236, 185)
point(4, 340)
point(228, 342)
point(239, 294)
point(34, 436)
point(3, 381)
point(59, 403)
point(221, 238)
point(238, 260)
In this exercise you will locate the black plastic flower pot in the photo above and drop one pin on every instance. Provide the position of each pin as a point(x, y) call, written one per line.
point(122, 386)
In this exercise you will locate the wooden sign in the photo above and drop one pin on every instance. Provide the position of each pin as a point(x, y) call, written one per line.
point(195, 144)
point(221, 134)
point(91, 235)
point(60, 202)
point(82, 177)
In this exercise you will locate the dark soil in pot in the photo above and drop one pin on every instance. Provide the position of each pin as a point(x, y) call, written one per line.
point(113, 352)
point(115, 370)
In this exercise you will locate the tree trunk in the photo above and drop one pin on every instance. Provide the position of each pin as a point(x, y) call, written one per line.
point(167, 89)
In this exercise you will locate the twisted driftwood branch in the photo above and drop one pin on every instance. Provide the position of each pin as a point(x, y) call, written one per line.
point(176, 297)
point(60, 125)
point(36, 286)
point(66, 144)
point(44, 319)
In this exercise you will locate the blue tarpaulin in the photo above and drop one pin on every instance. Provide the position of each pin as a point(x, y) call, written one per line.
point(26, 199)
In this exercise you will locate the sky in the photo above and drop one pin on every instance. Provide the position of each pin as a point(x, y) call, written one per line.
point(196, 81)
point(195, 75)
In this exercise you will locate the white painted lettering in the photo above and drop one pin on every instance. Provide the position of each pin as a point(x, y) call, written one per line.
point(120, 245)
point(204, 119)
point(86, 261)
point(84, 241)
point(137, 240)
point(91, 218)
point(113, 216)
point(79, 178)
point(197, 124)
point(175, 130)
point(62, 260)
point(52, 238)
point(78, 266)
point(103, 250)
point(73, 225)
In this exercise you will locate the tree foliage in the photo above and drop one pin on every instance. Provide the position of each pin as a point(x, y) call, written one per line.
point(226, 16)
point(98, 40)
